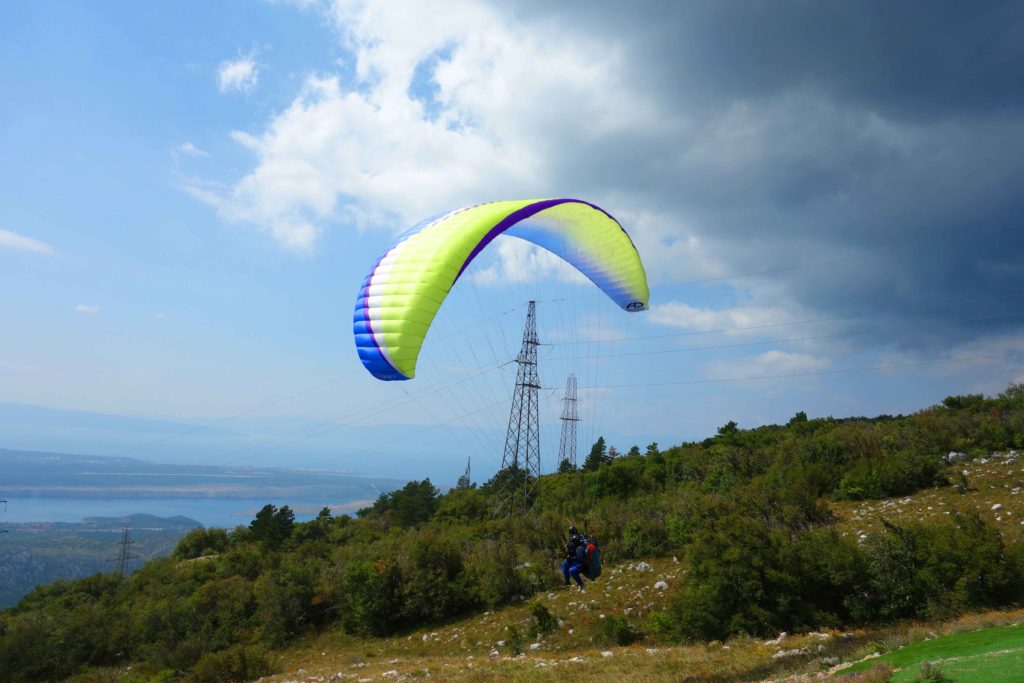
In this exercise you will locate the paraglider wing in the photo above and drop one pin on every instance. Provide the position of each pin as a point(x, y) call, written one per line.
point(403, 291)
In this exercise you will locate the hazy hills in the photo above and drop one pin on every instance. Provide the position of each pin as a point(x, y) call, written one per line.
point(56, 475)
point(40, 552)
point(35, 552)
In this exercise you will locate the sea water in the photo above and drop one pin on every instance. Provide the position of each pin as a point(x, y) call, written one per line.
point(211, 512)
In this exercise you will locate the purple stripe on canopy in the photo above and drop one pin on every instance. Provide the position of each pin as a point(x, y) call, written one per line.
point(521, 215)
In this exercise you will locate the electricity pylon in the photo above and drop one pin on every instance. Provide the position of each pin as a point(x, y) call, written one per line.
point(124, 554)
point(522, 440)
point(569, 418)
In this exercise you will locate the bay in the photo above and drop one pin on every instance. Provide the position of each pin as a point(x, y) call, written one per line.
point(210, 511)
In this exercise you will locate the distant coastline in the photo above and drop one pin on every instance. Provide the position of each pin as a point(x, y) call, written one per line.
point(32, 474)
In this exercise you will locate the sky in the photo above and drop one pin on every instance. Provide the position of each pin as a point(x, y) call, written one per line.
point(825, 196)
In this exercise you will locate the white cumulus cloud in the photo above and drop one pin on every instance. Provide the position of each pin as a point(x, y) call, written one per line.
point(520, 261)
point(83, 308)
point(768, 364)
point(439, 115)
point(238, 75)
point(13, 240)
point(191, 150)
point(684, 316)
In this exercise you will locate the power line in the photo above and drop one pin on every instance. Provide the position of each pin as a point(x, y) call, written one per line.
point(441, 386)
point(282, 399)
point(870, 368)
point(422, 430)
point(221, 420)
point(764, 342)
point(324, 427)
point(768, 271)
point(781, 269)
point(348, 420)
point(873, 368)
point(791, 323)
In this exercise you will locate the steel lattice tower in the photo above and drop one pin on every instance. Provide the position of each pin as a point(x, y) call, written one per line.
point(567, 444)
point(124, 554)
point(522, 441)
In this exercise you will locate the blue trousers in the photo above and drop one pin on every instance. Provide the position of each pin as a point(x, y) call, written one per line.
point(572, 569)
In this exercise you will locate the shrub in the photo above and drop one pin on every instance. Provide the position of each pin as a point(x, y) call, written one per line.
point(284, 599)
point(643, 539)
point(543, 621)
point(237, 663)
point(373, 598)
point(616, 630)
point(939, 570)
point(200, 542)
point(514, 640)
point(885, 476)
point(224, 608)
point(491, 573)
point(932, 674)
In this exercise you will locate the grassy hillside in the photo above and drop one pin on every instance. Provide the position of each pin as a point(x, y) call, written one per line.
point(477, 648)
point(817, 526)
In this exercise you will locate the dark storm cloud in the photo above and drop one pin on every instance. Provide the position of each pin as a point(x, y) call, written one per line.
point(809, 130)
point(918, 59)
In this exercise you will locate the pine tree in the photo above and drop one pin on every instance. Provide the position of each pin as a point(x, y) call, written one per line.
point(597, 457)
point(262, 525)
point(273, 525)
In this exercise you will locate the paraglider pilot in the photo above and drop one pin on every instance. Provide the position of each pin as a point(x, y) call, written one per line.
point(575, 557)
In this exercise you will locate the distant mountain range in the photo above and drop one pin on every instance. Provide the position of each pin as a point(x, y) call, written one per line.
point(62, 475)
point(376, 450)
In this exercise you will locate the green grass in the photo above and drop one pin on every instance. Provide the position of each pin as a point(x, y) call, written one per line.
point(992, 655)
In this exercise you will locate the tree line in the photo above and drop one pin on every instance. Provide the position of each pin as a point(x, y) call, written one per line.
point(747, 510)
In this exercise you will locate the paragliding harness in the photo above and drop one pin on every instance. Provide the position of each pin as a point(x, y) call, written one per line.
point(591, 555)
point(593, 564)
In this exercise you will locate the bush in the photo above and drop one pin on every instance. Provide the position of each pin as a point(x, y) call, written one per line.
point(436, 587)
point(284, 598)
point(373, 598)
point(616, 630)
point(543, 620)
point(643, 539)
point(225, 608)
point(514, 640)
point(234, 664)
point(939, 570)
point(932, 674)
point(492, 576)
point(201, 542)
point(886, 476)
